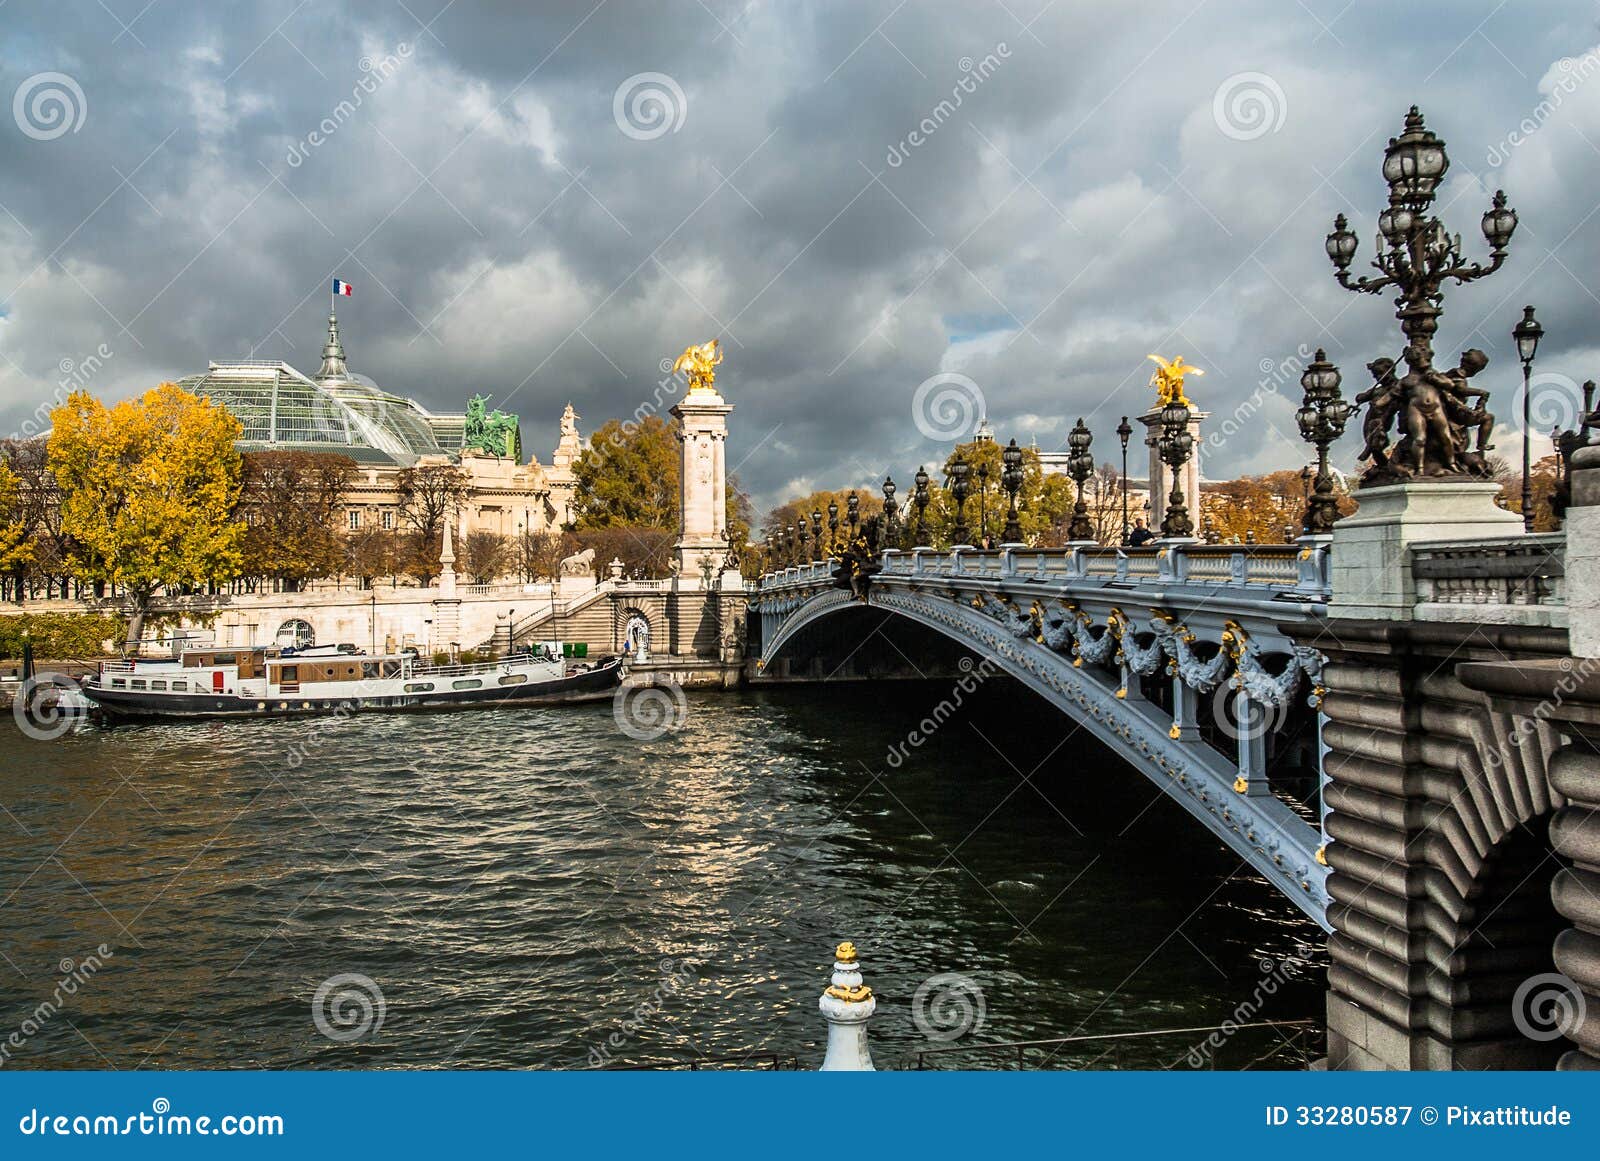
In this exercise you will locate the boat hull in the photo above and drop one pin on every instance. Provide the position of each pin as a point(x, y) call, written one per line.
point(593, 685)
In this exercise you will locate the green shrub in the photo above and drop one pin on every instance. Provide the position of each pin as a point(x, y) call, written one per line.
point(60, 635)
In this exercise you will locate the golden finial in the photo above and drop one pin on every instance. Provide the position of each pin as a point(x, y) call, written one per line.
point(1168, 380)
point(846, 952)
point(699, 363)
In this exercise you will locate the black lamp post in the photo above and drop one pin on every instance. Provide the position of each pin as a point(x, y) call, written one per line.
point(1527, 333)
point(1322, 417)
point(891, 514)
point(852, 504)
point(920, 498)
point(1420, 254)
point(1011, 480)
point(802, 532)
point(833, 527)
point(1174, 444)
point(816, 534)
point(983, 503)
point(959, 490)
point(1124, 430)
point(1080, 466)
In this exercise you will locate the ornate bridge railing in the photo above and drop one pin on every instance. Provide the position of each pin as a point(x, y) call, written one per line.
point(1513, 580)
point(1178, 657)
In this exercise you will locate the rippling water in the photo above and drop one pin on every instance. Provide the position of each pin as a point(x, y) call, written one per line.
point(532, 888)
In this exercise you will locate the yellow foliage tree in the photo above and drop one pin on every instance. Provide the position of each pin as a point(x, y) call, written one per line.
point(148, 492)
point(15, 548)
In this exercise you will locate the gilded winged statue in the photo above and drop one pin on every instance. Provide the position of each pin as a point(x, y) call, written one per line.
point(1168, 380)
point(699, 363)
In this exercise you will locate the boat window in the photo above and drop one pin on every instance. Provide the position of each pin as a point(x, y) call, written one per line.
point(180, 687)
point(137, 683)
point(420, 687)
point(158, 684)
point(289, 673)
point(225, 659)
point(118, 683)
point(391, 669)
point(514, 679)
point(467, 683)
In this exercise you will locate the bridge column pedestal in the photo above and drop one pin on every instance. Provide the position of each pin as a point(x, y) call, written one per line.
point(1185, 706)
point(1252, 748)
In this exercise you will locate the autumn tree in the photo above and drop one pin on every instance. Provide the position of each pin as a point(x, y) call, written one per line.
point(428, 495)
point(290, 502)
point(148, 491)
point(373, 552)
point(486, 556)
point(16, 549)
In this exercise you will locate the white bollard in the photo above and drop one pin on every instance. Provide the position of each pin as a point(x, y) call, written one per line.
point(848, 1004)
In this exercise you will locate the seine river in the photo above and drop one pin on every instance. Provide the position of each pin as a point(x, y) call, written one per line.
point(535, 889)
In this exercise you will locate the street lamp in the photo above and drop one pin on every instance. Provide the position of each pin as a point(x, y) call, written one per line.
point(1415, 256)
point(1011, 480)
point(959, 490)
point(1527, 334)
point(1080, 466)
point(1321, 417)
point(816, 533)
point(983, 503)
point(920, 498)
point(891, 515)
point(801, 531)
point(1174, 445)
point(833, 527)
point(852, 504)
point(1124, 430)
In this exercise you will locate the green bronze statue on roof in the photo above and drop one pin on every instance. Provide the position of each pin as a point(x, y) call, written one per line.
point(494, 432)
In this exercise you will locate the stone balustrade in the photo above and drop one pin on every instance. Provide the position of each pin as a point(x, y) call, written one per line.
point(1517, 580)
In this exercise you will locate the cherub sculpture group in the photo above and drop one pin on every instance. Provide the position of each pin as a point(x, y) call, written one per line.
point(1439, 416)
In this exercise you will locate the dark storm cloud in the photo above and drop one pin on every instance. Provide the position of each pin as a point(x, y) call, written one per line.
point(829, 205)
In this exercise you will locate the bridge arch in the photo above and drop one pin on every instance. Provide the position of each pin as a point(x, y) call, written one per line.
point(1168, 750)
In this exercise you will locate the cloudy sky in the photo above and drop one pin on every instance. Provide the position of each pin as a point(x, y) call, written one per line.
point(542, 202)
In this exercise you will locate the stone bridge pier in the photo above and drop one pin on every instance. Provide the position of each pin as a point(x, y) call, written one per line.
point(1464, 901)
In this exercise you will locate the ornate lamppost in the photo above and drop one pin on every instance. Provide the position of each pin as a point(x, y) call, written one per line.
point(920, 498)
point(1174, 444)
point(1419, 257)
point(1011, 480)
point(852, 504)
point(891, 514)
point(1124, 430)
point(983, 503)
point(959, 490)
point(1322, 417)
point(1080, 466)
point(816, 534)
point(833, 527)
point(1527, 333)
point(802, 531)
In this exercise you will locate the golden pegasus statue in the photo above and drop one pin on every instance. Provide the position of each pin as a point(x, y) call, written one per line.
point(699, 363)
point(1168, 380)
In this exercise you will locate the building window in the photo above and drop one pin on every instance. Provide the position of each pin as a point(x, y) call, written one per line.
point(355, 519)
point(388, 521)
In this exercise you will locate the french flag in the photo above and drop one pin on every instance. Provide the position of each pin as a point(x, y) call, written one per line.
point(342, 287)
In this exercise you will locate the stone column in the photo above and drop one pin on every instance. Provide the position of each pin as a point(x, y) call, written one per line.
point(703, 514)
point(1160, 478)
point(447, 605)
